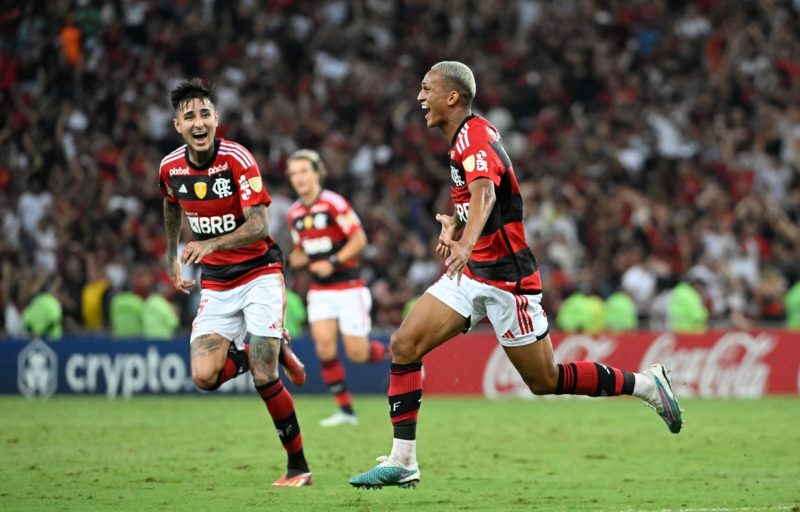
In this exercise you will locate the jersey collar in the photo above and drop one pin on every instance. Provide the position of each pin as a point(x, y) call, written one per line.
point(207, 164)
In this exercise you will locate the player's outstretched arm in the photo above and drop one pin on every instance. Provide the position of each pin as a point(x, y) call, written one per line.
point(255, 227)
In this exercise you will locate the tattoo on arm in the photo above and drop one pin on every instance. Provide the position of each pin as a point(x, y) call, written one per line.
point(255, 227)
point(172, 225)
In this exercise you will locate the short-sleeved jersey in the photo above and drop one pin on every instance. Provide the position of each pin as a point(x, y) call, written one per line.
point(322, 229)
point(501, 257)
point(213, 197)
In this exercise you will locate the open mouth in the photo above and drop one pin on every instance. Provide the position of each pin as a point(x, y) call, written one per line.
point(427, 110)
point(200, 137)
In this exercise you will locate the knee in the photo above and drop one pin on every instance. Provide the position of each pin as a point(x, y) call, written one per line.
point(543, 383)
point(205, 380)
point(357, 354)
point(405, 348)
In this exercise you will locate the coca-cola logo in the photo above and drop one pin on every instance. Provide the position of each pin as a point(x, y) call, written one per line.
point(732, 367)
point(502, 380)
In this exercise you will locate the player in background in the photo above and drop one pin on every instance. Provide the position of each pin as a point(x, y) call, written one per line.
point(217, 185)
point(491, 272)
point(328, 239)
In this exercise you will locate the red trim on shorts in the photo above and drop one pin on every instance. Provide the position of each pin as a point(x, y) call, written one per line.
point(523, 318)
point(353, 283)
point(364, 312)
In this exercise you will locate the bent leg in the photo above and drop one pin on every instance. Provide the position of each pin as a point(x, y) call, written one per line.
point(544, 376)
point(430, 323)
point(209, 353)
point(537, 367)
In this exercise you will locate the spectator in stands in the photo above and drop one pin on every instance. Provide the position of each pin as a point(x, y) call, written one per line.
point(43, 316)
point(686, 311)
point(127, 314)
point(690, 108)
point(791, 302)
point(160, 319)
point(620, 312)
point(296, 314)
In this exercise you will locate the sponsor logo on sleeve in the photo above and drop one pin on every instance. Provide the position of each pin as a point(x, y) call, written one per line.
point(255, 184)
point(469, 163)
point(244, 188)
point(481, 164)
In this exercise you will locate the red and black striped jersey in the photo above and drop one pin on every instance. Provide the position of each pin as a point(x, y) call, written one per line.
point(501, 256)
point(322, 229)
point(213, 197)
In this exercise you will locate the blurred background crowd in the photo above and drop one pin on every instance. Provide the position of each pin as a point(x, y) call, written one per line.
point(657, 143)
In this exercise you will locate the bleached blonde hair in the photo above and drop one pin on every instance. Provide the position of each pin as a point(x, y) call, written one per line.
point(461, 76)
point(314, 159)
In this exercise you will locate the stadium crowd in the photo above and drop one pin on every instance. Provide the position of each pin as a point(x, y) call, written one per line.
point(656, 141)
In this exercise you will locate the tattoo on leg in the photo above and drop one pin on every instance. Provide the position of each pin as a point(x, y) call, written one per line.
point(207, 344)
point(264, 356)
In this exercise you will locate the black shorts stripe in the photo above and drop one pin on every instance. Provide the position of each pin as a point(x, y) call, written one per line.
point(521, 264)
point(225, 273)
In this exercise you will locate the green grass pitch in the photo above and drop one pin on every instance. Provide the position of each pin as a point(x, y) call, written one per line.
point(221, 453)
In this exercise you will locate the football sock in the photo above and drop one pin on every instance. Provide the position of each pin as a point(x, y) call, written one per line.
point(405, 397)
point(230, 370)
point(643, 386)
point(281, 408)
point(333, 376)
point(378, 352)
point(593, 379)
point(404, 452)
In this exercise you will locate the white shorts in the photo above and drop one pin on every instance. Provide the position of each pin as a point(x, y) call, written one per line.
point(256, 307)
point(350, 307)
point(517, 319)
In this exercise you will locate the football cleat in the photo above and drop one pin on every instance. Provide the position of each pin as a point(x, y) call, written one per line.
point(339, 418)
point(292, 365)
point(299, 480)
point(387, 472)
point(662, 399)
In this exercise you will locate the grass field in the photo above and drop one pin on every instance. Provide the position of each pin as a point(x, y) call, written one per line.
point(220, 453)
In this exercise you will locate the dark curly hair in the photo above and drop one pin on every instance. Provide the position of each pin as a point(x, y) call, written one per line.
point(190, 89)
